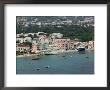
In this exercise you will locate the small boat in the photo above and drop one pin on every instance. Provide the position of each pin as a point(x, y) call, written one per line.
point(63, 56)
point(49, 54)
point(87, 57)
point(38, 69)
point(81, 49)
point(35, 59)
point(47, 66)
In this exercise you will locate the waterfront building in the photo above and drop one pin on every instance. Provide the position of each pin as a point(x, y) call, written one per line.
point(72, 44)
point(43, 39)
point(24, 39)
point(61, 44)
point(90, 44)
point(52, 47)
point(23, 48)
point(35, 49)
point(20, 39)
point(35, 41)
point(44, 46)
point(27, 39)
point(45, 43)
point(86, 45)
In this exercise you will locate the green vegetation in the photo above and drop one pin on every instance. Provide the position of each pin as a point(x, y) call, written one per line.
point(83, 33)
point(27, 43)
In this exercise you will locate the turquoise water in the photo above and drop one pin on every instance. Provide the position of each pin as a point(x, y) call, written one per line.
point(72, 63)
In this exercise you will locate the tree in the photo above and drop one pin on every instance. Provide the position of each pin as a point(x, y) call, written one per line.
point(17, 41)
point(34, 36)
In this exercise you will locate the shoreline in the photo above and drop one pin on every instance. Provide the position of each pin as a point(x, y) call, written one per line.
point(58, 52)
point(27, 55)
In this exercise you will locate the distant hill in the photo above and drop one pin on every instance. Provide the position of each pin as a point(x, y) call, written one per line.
point(81, 27)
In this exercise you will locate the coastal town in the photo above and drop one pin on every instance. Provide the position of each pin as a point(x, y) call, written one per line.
point(43, 44)
point(37, 35)
point(55, 44)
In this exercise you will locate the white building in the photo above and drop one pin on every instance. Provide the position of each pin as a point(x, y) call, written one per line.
point(35, 41)
point(56, 35)
point(43, 39)
point(18, 35)
point(22, 48)
point(25, 35)
point(20, 39)
point(28, 39)
point(35, 49)
point(91, 45)
point(24, 39)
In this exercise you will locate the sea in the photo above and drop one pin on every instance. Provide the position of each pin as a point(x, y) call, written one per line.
point(64, 63)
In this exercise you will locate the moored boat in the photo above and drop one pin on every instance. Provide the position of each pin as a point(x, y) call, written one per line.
point(35, 58)
point(47, 66)
point(51, 53)
point(38, 69)
point(81, 49)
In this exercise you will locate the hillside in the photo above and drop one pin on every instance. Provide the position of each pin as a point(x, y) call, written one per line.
point(81, 27)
